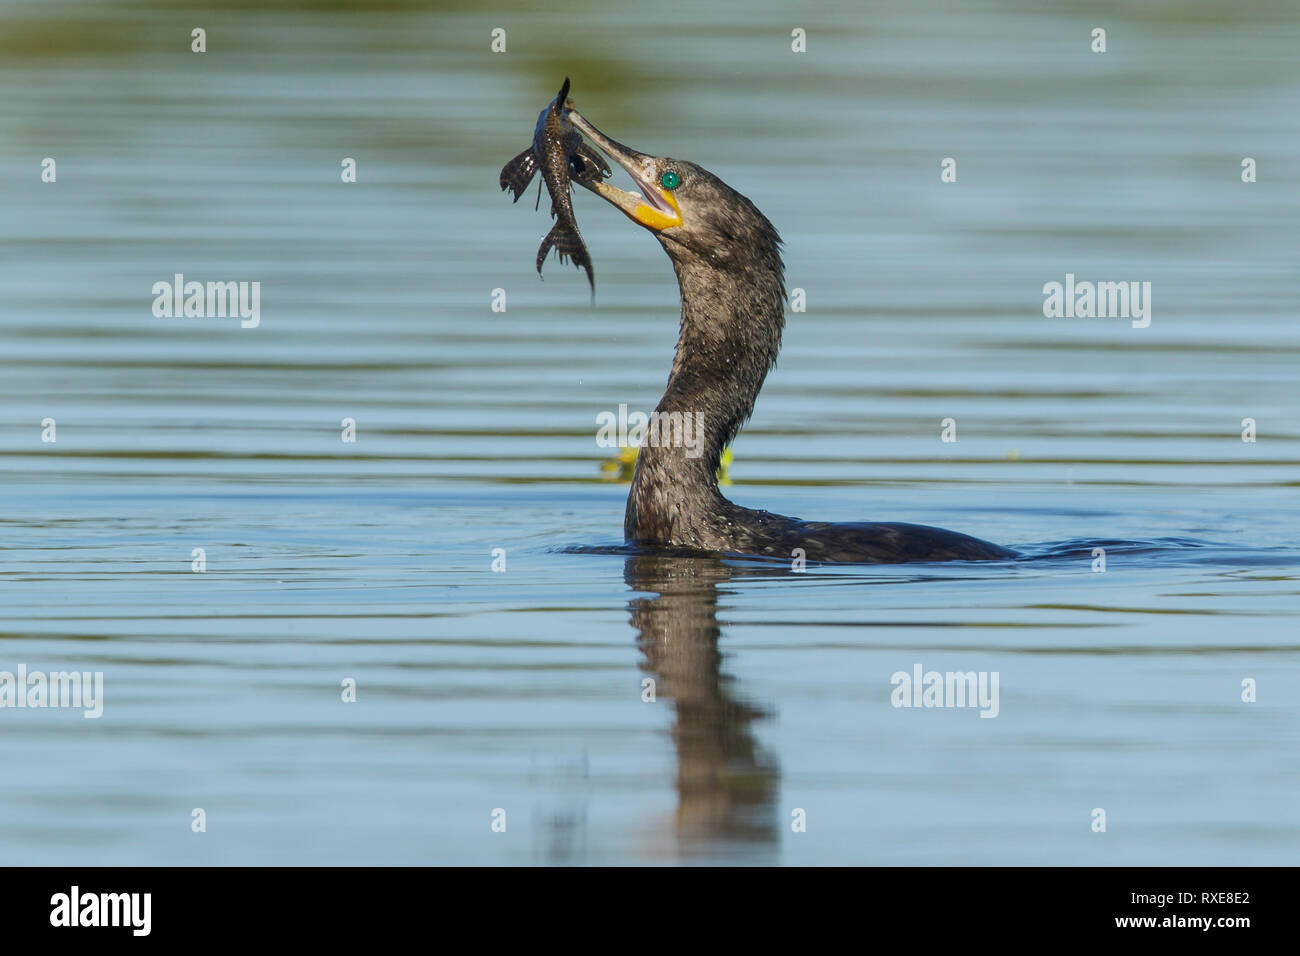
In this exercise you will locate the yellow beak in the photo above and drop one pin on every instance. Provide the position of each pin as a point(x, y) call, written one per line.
point(655, 208)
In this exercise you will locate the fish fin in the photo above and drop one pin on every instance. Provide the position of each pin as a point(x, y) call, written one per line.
point(519, 172)
point(593, 166)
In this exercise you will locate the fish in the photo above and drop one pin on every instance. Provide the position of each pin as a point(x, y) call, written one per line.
point(559, 153)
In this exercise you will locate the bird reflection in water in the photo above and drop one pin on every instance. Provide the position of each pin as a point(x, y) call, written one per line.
point(726, 784)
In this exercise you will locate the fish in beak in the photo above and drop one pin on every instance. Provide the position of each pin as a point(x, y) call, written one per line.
point(560, 155)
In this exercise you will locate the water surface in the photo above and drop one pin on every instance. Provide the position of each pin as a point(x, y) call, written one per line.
point(522, 690)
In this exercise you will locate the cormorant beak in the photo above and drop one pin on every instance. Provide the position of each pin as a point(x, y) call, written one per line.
point(653, 207)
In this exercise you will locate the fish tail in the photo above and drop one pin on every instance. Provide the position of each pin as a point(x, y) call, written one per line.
point(568, 244)
point(545, 248)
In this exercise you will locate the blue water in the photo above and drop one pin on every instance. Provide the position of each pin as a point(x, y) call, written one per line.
point(521, 690)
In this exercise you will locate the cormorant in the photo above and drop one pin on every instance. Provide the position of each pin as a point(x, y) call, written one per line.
point(728, 263)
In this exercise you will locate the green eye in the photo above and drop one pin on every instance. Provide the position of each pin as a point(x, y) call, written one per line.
point(670, 180)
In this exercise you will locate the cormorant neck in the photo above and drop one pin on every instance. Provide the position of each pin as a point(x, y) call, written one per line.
point(733, 311)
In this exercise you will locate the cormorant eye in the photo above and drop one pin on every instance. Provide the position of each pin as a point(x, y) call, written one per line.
point(670, 180)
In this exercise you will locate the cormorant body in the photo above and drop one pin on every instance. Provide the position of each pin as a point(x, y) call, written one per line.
point(727, 258)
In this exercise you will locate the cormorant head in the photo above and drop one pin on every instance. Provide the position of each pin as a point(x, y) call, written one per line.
point(694, 214)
